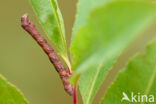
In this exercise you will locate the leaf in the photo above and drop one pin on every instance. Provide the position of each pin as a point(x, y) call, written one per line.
point(139, 76)
point(9, 94)
point(51, 19)
point(110, 29)
point(84, 7)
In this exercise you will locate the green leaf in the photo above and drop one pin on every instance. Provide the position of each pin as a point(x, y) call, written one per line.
point(84, 7)
point(9, 94)
point(138, 77)
point(110, 29)
point(51, 19)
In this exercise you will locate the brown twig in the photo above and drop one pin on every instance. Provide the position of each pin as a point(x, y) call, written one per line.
point(63, 73)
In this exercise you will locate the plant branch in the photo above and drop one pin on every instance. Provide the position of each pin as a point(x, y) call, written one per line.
point(63, 73)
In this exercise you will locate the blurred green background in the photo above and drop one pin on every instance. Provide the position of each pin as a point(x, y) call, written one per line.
point(24, 63)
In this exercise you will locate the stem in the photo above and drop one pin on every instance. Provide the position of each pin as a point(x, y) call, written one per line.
point(75, 95)
point(63, 73)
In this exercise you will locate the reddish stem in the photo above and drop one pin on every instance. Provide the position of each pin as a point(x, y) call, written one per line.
point(75, 95)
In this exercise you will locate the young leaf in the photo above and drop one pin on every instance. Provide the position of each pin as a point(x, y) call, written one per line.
point(9, 94)
point(51, 19)
point(97, 45)
point(138, 77)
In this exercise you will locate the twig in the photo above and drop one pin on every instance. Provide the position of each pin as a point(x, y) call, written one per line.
point(63, 73)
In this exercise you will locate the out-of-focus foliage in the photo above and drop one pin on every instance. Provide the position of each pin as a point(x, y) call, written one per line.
point(109, 30)
point(84, 7)
point(9, 93)
point(139, 76)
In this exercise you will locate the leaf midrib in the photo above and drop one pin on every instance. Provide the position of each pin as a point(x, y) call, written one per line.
point(94, 81)
point(60, 29)
point(151, 80)
point(63, 41)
